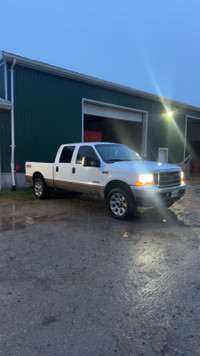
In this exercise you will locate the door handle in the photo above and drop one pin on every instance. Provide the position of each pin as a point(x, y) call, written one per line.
point(73, 170)
point(57, 168)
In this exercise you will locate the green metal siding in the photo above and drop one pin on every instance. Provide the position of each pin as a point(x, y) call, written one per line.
point(167, 132)
point(5, 140)
point(8, 81)
point(46, 115)
point(175, 136)
point(48, 112)
point(2, 90)
point(2, 94)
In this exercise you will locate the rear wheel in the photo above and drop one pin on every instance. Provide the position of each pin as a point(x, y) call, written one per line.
point(40, 188)
point(120, 204)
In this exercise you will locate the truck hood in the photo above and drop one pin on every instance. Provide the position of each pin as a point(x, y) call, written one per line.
point(144, 166)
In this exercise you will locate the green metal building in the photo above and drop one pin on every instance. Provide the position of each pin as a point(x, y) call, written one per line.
point(43, 106)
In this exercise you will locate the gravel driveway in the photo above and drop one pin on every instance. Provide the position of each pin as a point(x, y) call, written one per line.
point(76, 282)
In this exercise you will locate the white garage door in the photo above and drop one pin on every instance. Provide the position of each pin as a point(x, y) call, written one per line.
point(112, 112)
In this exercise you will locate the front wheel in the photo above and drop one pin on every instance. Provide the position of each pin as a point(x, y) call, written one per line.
point(120, 204)
point(40, 188)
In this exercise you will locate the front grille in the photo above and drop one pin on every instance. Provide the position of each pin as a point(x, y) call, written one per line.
point(167, 179)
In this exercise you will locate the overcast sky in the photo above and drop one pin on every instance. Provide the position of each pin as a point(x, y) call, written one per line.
point(149, 45)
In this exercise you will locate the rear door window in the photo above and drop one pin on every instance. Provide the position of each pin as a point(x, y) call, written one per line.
point(67, 153)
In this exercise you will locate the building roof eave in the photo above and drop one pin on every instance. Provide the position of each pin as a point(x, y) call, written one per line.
point(37, 65)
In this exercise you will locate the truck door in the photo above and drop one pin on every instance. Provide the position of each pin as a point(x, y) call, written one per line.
point(63, 168)
point(87, 171)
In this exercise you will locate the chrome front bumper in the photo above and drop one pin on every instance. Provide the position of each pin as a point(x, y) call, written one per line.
point(150, 196)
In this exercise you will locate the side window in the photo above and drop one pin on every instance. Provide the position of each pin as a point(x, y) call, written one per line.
point(66, 155)
point(86, 152)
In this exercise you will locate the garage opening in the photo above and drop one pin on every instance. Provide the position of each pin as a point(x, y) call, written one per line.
point(193, 143)
point(115, 124)
point(112, 130)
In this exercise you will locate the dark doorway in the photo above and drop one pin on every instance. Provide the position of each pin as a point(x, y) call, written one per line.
point(193, 143)
point(115, 130)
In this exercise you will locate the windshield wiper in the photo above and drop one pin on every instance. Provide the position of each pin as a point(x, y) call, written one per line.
point(122, 160)
point(115, 160)
point(119, 160)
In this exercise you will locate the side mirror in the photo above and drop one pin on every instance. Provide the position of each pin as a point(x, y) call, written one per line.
point(88, 162)
point(95, 163)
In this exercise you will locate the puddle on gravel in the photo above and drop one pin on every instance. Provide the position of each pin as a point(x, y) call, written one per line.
point(10, 223)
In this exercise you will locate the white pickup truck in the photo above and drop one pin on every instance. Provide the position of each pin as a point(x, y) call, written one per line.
point(109, 170)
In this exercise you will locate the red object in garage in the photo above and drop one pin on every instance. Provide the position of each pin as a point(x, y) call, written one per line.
point(92, 136)
point(17, 167)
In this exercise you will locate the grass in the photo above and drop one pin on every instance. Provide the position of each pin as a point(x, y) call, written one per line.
point(21, 194)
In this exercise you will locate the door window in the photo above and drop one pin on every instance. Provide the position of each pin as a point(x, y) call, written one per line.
point(67, 153)
point(86, 152)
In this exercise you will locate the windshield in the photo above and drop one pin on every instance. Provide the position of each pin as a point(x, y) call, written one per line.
point(111, 153)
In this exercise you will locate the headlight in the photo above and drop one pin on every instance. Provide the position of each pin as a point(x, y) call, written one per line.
point(144, 180)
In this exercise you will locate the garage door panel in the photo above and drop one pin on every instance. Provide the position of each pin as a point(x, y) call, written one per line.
point(113, 113)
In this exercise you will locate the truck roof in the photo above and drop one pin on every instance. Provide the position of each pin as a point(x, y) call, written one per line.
point(90, 143)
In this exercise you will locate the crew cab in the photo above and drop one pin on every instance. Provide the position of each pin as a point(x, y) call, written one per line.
point(109, 170)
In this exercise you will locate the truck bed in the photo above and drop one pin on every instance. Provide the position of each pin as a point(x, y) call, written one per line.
point(43, 168)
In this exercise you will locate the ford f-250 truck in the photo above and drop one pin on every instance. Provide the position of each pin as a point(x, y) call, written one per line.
point(112, 171)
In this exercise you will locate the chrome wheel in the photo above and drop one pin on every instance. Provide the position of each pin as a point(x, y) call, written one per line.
point(38, 189)
point(118, 204)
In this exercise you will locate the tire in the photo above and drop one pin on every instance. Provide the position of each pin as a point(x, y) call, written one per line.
point(40, 188)
point(120, 204)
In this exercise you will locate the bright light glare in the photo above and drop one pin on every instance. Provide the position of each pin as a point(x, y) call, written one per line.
point(145, 179)
point(170, 114)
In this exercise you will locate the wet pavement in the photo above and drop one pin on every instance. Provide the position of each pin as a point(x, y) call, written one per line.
point(76, 282)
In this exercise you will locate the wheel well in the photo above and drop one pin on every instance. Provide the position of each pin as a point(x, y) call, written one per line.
point(116, 184)
point(37, 175)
